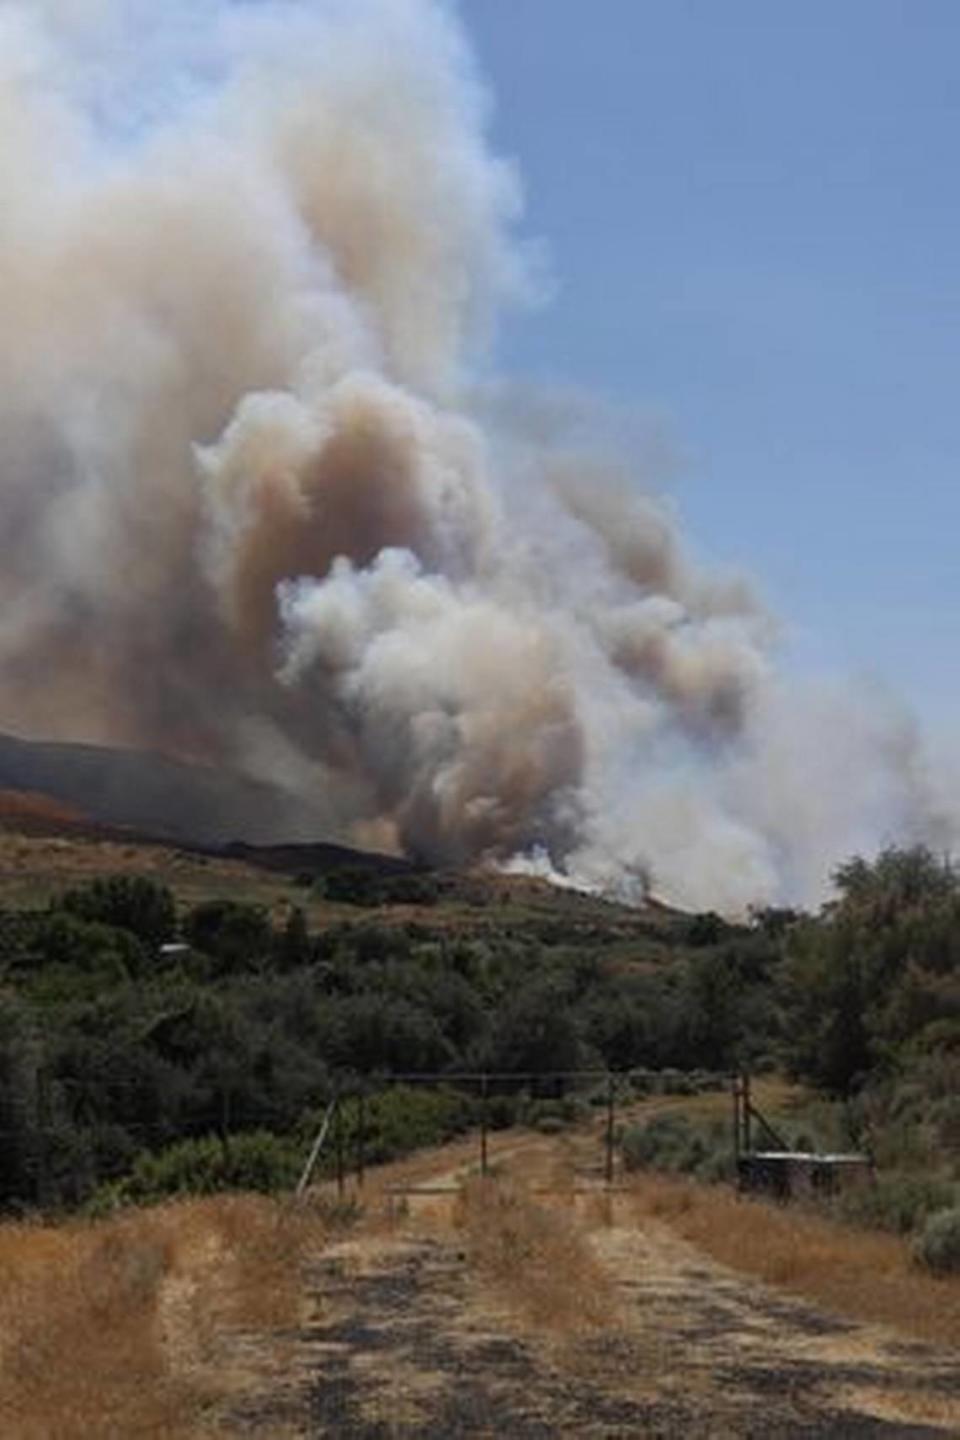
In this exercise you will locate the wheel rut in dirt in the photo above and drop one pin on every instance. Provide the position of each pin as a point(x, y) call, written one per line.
point(410, 1345)
point(415, 1335)
point(415, 1354)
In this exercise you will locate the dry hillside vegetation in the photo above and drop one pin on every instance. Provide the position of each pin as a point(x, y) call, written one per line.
point(45, 849)
point(37, 865)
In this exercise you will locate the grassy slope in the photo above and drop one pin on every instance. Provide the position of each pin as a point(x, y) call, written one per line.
point(42, 854)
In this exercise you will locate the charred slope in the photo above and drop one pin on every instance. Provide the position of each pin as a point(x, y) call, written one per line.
point(157, 796)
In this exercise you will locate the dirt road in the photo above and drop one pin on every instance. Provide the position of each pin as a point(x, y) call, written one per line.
point(562, 1314)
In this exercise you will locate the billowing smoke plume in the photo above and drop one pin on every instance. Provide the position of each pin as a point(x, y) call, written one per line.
point(262, 505)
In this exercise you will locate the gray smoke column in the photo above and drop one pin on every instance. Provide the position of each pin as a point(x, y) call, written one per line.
point(262, 505)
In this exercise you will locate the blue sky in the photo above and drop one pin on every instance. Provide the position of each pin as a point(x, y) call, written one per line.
point(752, 212)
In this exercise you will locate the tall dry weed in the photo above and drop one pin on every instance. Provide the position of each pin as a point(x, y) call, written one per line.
point(118, 1328)
point(866, 1275)
point(537, 1256)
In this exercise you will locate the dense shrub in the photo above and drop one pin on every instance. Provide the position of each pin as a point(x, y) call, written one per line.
point(254, 1161)
point(877, 971)
point(236, 935)
point(938, 1244)
point(675, 1144)
point(900, 1203)
point(413, 889)
point(71, 946)
point(127, 902)
point(534, 1032)
point(667, 1142)
point(396, 1121)
point(353, 885)
point(371, 1031)
point(618, 1024)
point(551, 1115)
point(707, 928)
point(105, 1050)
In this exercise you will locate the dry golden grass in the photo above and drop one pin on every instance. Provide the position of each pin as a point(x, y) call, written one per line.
point(37, 865)
point(536, 1256)
point(116, 1328)
point(868, 1276)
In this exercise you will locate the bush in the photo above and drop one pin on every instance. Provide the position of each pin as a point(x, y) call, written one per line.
point(534, 1032)
point(373, 1031)
point(900, 1203)
point(552, 1116)
point(673, 1144)
point(412, 889)
point(718, 1166)
point(354, 885)
point(667, 1142)
point(706, 929)
point(252, 1161)
point(937, 1247)
point(69, 945)
point(127, 902)
point(234, 934)
point(945, 1114)
point(398, 1121)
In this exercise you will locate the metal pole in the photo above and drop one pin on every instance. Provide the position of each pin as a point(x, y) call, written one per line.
point(746, 1112)
point(304, 1180)
point(483, 1124)
point(610, 1111)
point(735, 1092)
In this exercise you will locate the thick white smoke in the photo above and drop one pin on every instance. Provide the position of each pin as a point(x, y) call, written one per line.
point(257, 507)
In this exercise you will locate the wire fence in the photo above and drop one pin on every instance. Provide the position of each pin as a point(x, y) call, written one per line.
point(66, 1121)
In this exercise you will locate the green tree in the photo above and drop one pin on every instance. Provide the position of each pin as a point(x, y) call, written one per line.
point(534, 1032)
point(127, 902)
point(237, 936)
point(878, 965)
